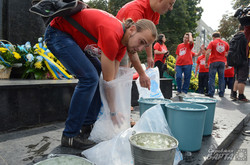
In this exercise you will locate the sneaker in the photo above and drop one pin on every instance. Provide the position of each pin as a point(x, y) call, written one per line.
point(77, 142)
point(233, 95)
point(182, 94)
point(246, 132)
point(208, 95)
point(178, 93)
point(85, 131)
point(242, 98)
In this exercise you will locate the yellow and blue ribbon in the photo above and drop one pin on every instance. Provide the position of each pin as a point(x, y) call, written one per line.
point(52, 66)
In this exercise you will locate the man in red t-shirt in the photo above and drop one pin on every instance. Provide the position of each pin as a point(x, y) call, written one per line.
point(145, 9)
point(184, 63)
point(69, 46)
point(218, 50)
point(203, 72)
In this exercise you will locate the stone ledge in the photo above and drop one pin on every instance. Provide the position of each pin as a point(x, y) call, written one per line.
point(27, 103)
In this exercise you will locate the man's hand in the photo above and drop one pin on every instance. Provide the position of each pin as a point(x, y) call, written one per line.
point(117, 118)
point(145, 81)
point(150, 62)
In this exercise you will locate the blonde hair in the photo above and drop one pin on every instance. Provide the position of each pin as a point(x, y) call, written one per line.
point(141, 25)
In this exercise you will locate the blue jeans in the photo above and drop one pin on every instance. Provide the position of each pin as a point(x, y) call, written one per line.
point(186, 69)
point(213, 68)
point(85, 102)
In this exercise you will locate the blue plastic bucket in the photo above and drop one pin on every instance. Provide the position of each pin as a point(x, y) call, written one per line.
point(210, 103)
point(146, 103)
point(186, 121)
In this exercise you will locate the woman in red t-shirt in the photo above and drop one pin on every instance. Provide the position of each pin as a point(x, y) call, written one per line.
point(160, 53)
point(69, 46)
point(203, 72)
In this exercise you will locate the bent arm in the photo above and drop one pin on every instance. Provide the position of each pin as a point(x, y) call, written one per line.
point(196, 69)
point(109, 71)
point(208, 52)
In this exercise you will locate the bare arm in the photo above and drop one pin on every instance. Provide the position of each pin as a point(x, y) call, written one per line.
point(150, 59)
point(144, 79)
point(175, 63)
point(196, 69)
point(109, 71)
point(160, 52)
point(208, 52)
point(190, 38)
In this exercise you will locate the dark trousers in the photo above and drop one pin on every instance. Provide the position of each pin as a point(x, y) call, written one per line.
point(203, 82)
point(160, 65)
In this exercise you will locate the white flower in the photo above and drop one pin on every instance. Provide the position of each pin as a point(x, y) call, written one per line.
point(30, 57)
point(47, 51)
point(27, 45)
point(2, 66)
point(39, 58)
point(40, 39)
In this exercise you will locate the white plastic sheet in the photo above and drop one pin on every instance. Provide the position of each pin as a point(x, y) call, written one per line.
point(117, 151)
point(104, 129)
point(155, 91)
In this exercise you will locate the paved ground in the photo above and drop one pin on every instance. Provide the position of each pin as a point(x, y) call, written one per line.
point(25, 147)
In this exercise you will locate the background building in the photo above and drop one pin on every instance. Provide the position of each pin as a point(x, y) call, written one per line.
point(204, 35)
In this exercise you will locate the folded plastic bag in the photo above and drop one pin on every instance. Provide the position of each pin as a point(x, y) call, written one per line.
point(155, 91)
point(117, 151)
point(104, 129)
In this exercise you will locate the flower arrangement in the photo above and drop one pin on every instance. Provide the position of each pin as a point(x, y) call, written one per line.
point(37, 61)
point(8, 54)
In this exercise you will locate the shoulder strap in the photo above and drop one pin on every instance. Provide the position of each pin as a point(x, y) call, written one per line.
point(84, 31)
point(80, 28)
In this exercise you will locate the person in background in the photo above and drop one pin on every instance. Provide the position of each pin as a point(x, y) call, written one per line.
point(229, 78)
point(114, 39)
point(203, 72)
point(160, 53)
point(144, 9)
point(184, 64)
point(241, 72)
point(216, 52)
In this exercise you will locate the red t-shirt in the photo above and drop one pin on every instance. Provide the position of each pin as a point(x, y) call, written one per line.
point(218, 50)
point(159, 47)
point(229, 72)
point(138, 9)
point(201, 63)
point(103, 26)
point(184, 53)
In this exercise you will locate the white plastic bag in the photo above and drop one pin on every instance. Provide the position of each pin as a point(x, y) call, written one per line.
point(104, 129)
point(155, 91)
point(117, 151)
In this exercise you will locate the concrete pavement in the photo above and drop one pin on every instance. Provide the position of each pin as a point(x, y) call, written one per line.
point(28, 146)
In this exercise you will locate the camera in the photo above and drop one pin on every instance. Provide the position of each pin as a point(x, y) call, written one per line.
point(243, 15)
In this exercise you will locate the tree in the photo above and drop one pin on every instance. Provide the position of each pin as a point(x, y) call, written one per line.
point(228, 27)
point(98, 4)
point(238, 3)
point(176, 23)
point(229, 24)
point(115, 5)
